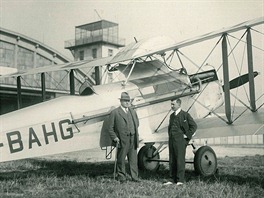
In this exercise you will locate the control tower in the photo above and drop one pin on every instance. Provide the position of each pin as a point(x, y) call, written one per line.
point(95, 40)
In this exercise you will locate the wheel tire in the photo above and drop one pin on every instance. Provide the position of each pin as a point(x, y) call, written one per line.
point(145, 154)
point(205, 161)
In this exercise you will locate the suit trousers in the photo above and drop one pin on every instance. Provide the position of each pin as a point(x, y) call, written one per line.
point(177, 151)
point(127, 150)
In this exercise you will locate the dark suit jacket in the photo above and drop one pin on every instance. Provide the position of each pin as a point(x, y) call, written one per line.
point(187, 124)
point(118, 125)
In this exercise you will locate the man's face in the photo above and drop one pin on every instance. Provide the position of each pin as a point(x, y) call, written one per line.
point(125, 103)
point(174, 105)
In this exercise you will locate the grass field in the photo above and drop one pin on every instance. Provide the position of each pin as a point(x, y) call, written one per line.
point(237, 177)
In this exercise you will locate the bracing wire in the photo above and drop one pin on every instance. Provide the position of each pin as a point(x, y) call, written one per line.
point(171, 57)
point(179, 59)
point(216, 44)
point(246, 42)
point(26, 83)
point(257, 31)
point(239, 71)
point(127, 66)
point(199, 68)
point(258, 99)
point(239, 40)
point(240, 115)
point(58, 82)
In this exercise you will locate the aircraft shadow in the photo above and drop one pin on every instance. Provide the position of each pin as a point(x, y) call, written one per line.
point(60, 169)
point(105, 170)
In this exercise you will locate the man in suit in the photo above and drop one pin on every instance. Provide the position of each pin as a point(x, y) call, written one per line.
point(181, 129)
point(123, 129)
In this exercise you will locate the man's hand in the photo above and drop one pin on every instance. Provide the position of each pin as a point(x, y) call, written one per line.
point(116, 140)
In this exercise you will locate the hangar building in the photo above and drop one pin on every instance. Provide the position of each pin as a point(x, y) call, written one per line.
point(20, 52)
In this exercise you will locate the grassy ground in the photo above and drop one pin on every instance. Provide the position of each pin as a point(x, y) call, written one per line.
point(237, 177)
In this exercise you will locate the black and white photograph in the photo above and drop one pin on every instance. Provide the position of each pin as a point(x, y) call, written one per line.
point(132, 98)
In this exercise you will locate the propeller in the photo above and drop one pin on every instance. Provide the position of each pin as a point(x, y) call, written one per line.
point(240, 80)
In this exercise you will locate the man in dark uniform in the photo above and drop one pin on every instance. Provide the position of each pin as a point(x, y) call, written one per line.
point(123, 129)
point(181, 128)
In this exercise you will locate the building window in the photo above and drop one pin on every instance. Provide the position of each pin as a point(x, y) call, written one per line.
point(82, 55)
point(110, 52)
point(94, 53)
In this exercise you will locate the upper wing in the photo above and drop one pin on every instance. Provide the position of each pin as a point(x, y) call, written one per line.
point(159, 45)
point(60, 67)
point(143, 48)
point(136, 50)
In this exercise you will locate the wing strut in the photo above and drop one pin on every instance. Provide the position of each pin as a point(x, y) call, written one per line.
point(72, 86)
point(226, 79)
point(19, 96)
point(43, 87)
point(130, 72)
point(250, 72)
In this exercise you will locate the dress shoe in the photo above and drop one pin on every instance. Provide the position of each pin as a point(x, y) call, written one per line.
point(167, 183)
point(179, 183)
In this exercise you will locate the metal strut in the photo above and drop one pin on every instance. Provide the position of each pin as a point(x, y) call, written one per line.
point(130, 72)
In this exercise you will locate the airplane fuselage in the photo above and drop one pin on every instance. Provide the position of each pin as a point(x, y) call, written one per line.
point(49, 128)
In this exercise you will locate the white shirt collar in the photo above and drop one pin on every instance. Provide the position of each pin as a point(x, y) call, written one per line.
point(124, 109)
point(177, 111)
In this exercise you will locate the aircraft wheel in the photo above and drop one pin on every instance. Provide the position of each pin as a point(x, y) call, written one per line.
point(205, 161)
point(145, 154)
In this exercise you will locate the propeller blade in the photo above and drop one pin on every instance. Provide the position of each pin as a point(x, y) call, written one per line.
point(241, 80)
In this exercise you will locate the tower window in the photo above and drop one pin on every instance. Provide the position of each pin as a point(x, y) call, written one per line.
point(110, 52)
point(81, 55)
point(94, 53)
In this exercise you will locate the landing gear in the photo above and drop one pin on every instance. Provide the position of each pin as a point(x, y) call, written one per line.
point(205, 161)
point(148, 158)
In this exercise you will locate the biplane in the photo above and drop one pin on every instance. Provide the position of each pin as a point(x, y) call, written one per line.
point(153, 73)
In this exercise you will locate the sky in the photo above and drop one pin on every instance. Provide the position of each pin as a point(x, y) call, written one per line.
point(53, 21)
